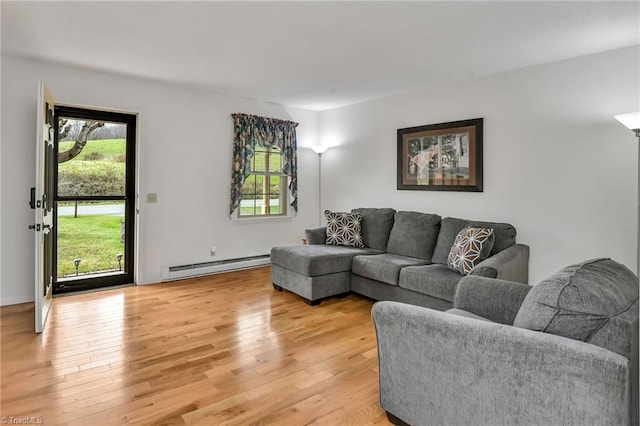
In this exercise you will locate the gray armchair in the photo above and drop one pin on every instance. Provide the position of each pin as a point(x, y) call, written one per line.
point(472, 366)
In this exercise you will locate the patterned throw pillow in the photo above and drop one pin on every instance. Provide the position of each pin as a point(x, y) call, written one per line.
point(344, 229)
point(471, 246)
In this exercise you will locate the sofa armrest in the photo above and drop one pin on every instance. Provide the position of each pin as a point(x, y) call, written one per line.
point(511, 264)
point(316, 235)
point(493, 299)
point(443, 369)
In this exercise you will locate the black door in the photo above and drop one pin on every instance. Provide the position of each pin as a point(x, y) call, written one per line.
point(94, 198)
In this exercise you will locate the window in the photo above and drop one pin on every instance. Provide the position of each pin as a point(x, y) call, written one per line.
point(264, 161)
point(264, 191)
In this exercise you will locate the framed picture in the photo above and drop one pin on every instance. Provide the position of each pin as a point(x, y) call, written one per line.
point(441, 157)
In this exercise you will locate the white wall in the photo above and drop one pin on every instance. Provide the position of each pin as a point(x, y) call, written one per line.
point(185, 157)
point(557, 165)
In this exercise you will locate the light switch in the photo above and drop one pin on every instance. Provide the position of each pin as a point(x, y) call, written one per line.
point(152, 197)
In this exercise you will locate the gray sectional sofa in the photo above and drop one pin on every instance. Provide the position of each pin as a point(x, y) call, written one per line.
point(404, 259)
point(562, 352)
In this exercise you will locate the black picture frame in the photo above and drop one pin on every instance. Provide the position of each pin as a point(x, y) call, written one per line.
point(441, 157)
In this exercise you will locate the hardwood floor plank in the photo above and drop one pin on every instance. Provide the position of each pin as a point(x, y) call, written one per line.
point(222, 349)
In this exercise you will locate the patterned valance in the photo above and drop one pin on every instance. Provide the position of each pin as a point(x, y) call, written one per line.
point(250, 131)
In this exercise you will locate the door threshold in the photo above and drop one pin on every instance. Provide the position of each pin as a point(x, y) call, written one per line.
point(92, 290)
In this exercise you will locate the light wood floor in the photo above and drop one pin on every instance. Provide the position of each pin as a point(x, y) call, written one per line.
point(225, 349)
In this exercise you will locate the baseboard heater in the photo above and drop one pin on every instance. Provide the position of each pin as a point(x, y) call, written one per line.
point(172, 273)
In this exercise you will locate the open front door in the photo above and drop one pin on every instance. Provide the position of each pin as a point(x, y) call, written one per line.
point(42, 203)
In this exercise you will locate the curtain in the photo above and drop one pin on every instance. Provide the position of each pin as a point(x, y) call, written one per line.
point(250, 131)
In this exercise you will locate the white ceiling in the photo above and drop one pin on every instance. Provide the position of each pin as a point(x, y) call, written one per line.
point(315, 55)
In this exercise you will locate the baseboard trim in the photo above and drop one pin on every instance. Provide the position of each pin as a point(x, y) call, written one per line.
point(16, 300)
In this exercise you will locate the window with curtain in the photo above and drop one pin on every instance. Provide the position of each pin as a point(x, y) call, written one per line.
point(264, 167)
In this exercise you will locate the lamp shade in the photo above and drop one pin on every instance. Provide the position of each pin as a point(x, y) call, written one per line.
point(319, 149)
point(631, 120)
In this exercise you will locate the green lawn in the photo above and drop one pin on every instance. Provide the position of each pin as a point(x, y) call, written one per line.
point(99, 177)
point(257, 210)
point(94, 239)
point(98, 170)
point(106, 147)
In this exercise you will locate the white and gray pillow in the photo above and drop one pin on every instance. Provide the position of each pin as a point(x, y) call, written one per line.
point(471, 246)
point(344, 229)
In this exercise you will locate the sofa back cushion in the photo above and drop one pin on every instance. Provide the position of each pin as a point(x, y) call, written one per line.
point(414, 234)
point(376, 226)
point(505, 236)
point(594, 301)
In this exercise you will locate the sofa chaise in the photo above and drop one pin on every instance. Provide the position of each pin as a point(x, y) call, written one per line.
point(395, 255)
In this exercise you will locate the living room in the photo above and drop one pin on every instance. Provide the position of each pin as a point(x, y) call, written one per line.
point(557, 165)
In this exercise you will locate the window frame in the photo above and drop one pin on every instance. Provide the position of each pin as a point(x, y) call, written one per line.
point(128, 275)
point(267, 174)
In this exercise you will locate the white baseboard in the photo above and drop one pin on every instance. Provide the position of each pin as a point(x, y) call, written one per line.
point(15, 300)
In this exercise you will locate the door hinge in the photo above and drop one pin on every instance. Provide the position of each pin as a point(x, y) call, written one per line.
point(32, 198)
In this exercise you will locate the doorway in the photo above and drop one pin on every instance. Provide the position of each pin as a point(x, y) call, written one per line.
point(94, 196)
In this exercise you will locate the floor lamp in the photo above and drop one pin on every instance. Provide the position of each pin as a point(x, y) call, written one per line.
point(320, 149)
point(632, 121)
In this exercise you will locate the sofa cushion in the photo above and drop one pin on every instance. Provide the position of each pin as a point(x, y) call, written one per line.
point(414, 234)
point(315, 260)
point(376, 226)
point(433, 280)
point(383, 267)
point(471, 246)
point(450, 227)
point(585, 302)
point(505, 236)
point(344, 229)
